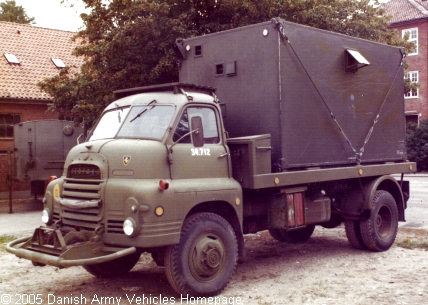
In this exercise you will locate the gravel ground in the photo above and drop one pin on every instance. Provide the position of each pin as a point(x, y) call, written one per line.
point(324, 270)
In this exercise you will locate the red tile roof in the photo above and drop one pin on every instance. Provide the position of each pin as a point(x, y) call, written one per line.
point(34, 47)
point(406, 10)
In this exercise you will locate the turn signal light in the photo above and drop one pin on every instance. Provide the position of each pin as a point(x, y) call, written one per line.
point(52, 178)
point(163, 185)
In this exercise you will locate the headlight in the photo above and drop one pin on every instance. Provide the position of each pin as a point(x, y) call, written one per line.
point(129, 226)
point(46, 216)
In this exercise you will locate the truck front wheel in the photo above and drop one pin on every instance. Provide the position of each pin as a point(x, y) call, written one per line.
point(205, 259)
point(379, 231)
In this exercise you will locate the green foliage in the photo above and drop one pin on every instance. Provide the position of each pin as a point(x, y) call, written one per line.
point(417, 144)
point(14, 13)
point(128, 43)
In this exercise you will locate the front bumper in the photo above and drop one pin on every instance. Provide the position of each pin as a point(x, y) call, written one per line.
point(58, 253)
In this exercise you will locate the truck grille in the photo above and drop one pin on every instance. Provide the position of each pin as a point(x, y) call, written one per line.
point(88, 218)
point(115, 221)
point(88, 190)
point(84, 171)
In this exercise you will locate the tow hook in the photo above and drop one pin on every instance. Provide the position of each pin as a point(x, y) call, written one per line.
point(98, 232)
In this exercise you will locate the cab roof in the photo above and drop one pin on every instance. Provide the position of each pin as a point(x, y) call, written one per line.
point(173, 93)
point(176, 88)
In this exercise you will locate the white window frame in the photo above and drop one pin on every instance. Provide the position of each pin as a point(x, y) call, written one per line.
point(413, 37)
point(414, 77)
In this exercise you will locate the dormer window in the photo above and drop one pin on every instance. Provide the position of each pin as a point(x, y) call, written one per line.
point(12, 59)
point(58, 63)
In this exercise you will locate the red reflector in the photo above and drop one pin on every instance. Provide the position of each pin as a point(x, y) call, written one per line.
point(163, 185)
point(296, 216)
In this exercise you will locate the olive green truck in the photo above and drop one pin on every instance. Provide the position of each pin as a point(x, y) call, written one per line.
point(274, 126)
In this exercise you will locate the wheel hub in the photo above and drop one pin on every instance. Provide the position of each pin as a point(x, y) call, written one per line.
point(207, 257)
point(213, 258)
point(384, 222)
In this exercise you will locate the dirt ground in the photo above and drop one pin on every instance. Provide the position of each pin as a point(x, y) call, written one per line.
point(324, 270)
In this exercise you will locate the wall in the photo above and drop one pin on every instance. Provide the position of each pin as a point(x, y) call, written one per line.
point(418, 63)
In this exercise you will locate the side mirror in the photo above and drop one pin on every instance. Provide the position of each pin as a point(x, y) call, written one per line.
point(197, 131)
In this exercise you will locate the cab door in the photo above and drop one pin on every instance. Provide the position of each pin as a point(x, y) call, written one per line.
point(192, 160)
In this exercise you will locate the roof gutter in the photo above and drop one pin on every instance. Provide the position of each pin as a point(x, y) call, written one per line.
point(29, 101)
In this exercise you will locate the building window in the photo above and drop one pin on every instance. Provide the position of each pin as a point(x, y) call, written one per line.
point(413, 37)
point(6, 124)
point(413, 76)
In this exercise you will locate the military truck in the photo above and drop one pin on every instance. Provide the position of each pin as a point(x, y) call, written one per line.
point(305, 128)
point(38, 156)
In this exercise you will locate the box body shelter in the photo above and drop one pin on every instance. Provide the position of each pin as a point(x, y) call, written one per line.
point(304, 86)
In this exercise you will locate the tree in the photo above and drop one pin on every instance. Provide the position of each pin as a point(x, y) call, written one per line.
point(128, 43)
point(14, 13)
point(417, 144)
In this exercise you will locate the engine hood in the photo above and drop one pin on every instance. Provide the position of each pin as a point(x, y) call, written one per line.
point(123, 158)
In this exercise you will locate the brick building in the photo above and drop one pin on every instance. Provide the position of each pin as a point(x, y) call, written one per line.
point(28, 54)
point(411, 17)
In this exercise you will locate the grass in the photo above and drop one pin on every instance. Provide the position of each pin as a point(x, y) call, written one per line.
point(4, 239)
point(413, 244)
point(413, 239)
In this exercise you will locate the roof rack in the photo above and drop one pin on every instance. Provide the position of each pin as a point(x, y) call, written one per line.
point(175, 87)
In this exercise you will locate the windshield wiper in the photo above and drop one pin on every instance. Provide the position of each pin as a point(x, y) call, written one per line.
point(142, 111)
point(118, 112)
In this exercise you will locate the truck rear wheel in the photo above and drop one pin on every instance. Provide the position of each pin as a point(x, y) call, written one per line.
point(379, 231)
point(115, 267)
point(205, 259)
point(353, 233)
point(294, 236)
point(298, 235)
point(276, 234)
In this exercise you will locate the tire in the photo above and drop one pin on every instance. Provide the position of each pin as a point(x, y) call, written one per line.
point(353, 233)
point(115, 267)
point(298, 235)
point(205, 259)
point(380, 230)
point(276, 234)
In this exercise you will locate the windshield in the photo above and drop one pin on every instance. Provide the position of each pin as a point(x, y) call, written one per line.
point(109, 124)
point(148, 122)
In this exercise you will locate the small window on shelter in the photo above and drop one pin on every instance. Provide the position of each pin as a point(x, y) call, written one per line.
point(11, 58)
point(354, 61)
point(58, 63)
